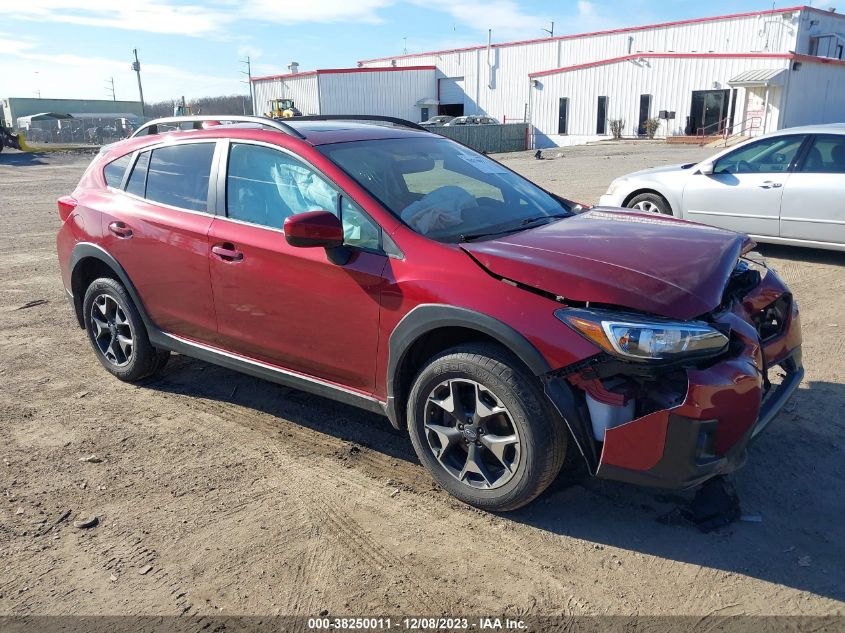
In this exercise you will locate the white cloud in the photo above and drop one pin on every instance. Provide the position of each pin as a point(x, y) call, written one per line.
point(314, 10)
point(158, 16)
point(71, 76)
point(586, 9)
point(170, 18)
point(505, 17)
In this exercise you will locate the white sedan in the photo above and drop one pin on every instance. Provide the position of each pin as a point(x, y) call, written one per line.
point(787, 187)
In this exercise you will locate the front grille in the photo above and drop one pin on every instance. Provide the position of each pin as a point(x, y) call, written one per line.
point(771, 320)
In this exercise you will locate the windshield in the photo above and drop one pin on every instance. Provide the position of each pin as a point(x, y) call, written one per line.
point(443, 190)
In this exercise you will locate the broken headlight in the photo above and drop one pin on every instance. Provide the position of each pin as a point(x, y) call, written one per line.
point(642, 338)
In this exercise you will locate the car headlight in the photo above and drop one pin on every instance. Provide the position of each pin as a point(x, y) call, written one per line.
point(644, 339)
point(615, 186)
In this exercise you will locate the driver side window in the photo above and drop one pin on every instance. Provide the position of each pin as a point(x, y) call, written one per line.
point(769, 156)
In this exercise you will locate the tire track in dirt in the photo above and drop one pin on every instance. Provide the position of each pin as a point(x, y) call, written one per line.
point(326, 513)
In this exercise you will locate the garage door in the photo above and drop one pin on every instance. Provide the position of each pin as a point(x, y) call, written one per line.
point(452, 90)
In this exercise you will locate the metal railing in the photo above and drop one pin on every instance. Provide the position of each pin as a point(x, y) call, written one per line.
point(749, 124)
point(719, 126)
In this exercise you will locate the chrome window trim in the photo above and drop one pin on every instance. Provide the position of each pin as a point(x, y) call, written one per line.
point(222, 184)
point(209, 212)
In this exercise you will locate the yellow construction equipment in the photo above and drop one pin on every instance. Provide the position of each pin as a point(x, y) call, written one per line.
point(282, 109)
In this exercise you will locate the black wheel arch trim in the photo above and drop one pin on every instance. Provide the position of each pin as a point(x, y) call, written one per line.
point(86, 250)
point(425, 319)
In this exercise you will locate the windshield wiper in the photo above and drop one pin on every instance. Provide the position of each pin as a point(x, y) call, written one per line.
point(556, 216)
point(526, 223)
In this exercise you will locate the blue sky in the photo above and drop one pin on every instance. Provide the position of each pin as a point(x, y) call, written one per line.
point(70, 48)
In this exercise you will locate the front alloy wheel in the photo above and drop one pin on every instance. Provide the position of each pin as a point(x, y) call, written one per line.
point(481, 424)
point(471, 433)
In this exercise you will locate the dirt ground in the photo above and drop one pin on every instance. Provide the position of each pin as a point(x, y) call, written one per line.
point(217, 493)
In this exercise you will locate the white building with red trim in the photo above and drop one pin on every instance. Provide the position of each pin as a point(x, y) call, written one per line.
point(408, 92)
point(743, 73)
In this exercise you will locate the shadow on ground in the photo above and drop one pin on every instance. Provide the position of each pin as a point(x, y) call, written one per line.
point(792, 482)
point(13, 157)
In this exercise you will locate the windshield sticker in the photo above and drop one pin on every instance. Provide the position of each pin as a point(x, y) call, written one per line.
point(484, 164)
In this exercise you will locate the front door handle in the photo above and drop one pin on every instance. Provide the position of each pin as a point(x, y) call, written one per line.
point(119, 229)
point(227, 252)
point(768, 184)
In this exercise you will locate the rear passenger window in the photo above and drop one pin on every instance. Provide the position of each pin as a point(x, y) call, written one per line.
point(137, 184)
point(115, 170)
point(178, 175)
point(826, 156)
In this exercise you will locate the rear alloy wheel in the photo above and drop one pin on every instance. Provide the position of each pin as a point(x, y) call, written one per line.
point(117, 332)
point(650, 203)
point(480, 423)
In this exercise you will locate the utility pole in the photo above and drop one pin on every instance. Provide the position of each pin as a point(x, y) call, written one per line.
point(248, 73)
point(404, 45)
point(136, 66)
point(550, 31)
point(110, 88)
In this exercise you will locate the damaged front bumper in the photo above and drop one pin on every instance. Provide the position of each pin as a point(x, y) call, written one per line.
point(726, 405)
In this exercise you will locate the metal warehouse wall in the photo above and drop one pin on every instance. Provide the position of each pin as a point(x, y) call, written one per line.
point(669, 81)
point(818, 23)
point(389, 93)
point(775, 32)
point(815, 94)
point(302, 88)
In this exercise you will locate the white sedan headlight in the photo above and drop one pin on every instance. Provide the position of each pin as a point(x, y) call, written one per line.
point(644, 339)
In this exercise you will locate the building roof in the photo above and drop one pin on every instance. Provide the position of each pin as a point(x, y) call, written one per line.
point(628, 29)
point(759, 77)
point(342, 71)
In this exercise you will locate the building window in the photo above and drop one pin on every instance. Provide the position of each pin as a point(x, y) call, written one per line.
point(601, 116)
point(563, 116)
point(826, 46)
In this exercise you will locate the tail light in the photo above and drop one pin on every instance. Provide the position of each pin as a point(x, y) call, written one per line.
point(66, 206)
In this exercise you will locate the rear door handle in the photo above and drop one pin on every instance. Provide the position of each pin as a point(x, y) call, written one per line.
point(227, 252)
point(120, 230)
point(768, 184)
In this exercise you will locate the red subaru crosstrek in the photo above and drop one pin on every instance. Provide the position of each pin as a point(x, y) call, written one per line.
point(387, 267)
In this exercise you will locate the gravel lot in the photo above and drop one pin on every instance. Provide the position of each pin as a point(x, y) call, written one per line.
point(217, 493)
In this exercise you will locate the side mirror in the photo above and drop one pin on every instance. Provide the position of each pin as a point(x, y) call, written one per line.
point(314, 228)
point(706, 168)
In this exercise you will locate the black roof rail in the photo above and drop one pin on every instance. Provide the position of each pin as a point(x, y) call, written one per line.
point(361, 117)
point(151, 127)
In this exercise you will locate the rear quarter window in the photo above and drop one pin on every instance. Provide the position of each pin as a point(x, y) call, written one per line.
point(114, 171)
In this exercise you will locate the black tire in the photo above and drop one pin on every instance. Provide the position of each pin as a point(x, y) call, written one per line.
point(650, 202)
point(541, 434)
point(138, 359)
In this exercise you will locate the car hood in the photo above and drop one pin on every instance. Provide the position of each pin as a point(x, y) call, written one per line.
point(664, 169)
point(640, 261)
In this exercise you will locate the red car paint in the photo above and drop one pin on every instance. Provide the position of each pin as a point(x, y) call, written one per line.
point(647, 262)
point(244, 290)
